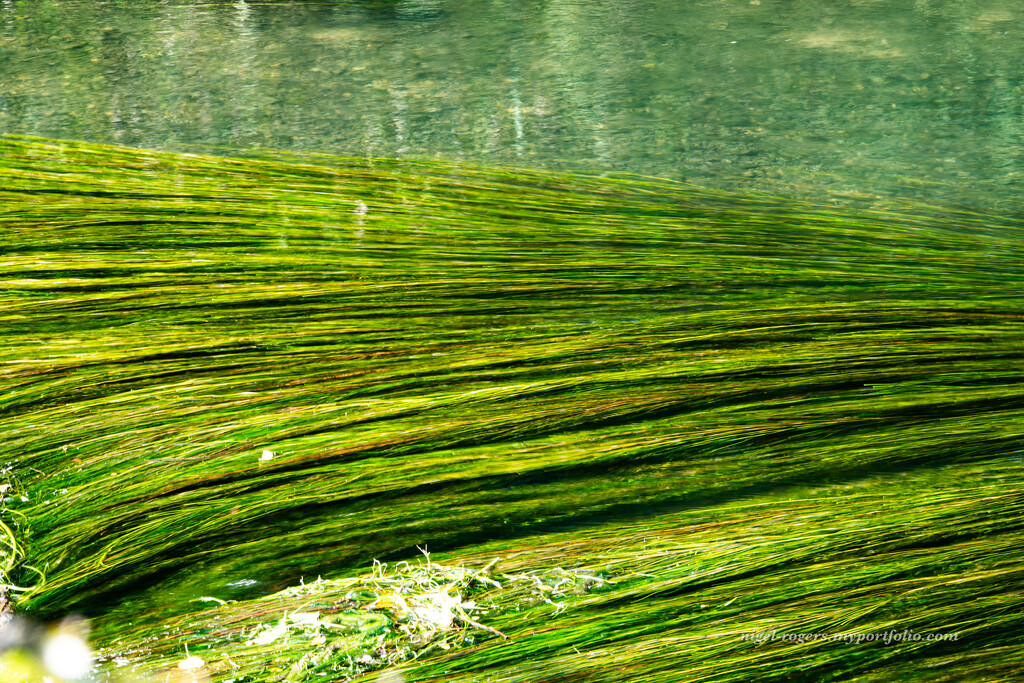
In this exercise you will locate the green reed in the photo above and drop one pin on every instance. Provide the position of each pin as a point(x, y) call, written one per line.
point(752, 414)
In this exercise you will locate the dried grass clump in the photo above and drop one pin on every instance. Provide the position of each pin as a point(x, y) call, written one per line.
point(343, 628)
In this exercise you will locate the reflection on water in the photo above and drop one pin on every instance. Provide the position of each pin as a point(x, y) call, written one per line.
point(851, 96)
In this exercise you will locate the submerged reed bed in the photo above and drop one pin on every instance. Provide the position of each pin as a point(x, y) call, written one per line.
point(750, 416)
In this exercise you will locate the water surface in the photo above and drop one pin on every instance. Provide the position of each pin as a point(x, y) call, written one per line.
point(852, 97)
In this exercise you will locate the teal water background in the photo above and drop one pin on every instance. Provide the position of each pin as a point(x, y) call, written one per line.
point(921, 99)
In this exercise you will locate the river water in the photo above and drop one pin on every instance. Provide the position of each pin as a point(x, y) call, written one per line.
point(913, 98)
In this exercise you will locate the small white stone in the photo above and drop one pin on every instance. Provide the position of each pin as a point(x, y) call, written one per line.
point(67, 656)
point(267, 455)
point(191, 662)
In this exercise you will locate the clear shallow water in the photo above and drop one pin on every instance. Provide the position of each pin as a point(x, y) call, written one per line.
point(769, 94)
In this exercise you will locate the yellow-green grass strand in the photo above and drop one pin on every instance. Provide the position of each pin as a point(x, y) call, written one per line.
point(705, 395)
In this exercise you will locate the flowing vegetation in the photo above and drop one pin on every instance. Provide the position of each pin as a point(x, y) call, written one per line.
point(641, 426)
